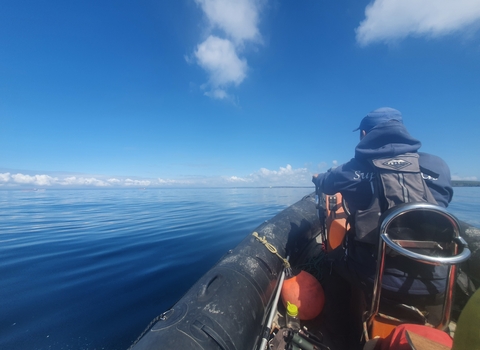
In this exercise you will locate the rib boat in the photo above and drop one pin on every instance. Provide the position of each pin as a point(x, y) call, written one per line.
point(240, 304)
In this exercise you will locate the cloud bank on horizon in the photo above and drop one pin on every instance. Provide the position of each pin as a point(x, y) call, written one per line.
point(284, 176)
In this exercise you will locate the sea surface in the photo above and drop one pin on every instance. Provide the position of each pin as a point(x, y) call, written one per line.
point(89, 269)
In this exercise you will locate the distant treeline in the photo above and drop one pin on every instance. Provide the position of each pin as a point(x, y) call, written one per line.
point(461, 183)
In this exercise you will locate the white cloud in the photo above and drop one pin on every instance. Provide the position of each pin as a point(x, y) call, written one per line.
point(23, 180)
point(114, 181)
point(237, 18)
point(82, 181)
point(235, 22)
point(219, 94)
point(390, 20)
point(219, 58)
point(144, 183)
point(236, 179)
point(5, 177)
point(176, 182)
point(37, 180)
point(284, 176)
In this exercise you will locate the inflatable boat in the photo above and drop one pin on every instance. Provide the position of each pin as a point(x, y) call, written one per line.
point(240, 304)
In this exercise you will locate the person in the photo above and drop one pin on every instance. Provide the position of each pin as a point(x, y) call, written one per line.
point(384, 137)
point(382, 134)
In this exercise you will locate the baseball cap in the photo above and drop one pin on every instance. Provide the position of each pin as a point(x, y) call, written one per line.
point(378, 116)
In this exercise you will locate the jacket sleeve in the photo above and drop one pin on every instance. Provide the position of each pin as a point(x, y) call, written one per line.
point(352, 180)
point(324, 182)
point(336, 180)
point(436, 174)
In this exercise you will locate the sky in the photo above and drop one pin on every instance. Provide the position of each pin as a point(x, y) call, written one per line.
point(108, 94)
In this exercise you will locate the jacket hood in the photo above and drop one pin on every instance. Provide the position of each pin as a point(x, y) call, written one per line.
point(386, 140)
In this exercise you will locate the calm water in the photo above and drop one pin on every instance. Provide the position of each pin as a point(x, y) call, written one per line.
point(89, 269)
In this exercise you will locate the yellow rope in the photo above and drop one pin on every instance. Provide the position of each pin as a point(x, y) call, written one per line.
point(271, 248)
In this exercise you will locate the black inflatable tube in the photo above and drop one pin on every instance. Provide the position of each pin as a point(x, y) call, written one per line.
point(226, 308)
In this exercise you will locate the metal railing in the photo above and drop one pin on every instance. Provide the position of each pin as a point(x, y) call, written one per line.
point(459, 253)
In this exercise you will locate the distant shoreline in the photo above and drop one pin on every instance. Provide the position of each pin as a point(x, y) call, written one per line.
point(461, 183)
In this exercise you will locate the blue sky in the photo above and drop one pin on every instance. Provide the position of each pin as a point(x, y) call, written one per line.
point(228, 92)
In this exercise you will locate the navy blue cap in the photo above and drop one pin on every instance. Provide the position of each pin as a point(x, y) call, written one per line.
point(379, 116)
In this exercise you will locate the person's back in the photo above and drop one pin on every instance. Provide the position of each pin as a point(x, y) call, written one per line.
point(383, 136)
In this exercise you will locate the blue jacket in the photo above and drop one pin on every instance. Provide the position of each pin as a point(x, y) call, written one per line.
point(389, 139)
point(436, 174)
point(352, 180)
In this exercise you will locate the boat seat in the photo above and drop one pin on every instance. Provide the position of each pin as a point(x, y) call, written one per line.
point(426, 234)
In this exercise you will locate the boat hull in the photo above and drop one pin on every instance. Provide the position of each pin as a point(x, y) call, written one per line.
point(228, 307)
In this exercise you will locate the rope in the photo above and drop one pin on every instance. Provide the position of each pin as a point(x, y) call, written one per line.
point(271, 248)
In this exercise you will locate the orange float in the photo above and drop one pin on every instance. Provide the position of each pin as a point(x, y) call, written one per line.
point(306, 293)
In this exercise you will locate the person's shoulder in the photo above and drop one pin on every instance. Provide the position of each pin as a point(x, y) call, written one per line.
point(435, 169)
point(430, 158)
point(433, 162)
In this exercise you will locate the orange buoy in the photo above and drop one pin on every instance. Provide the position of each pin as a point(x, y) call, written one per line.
point(306, 293)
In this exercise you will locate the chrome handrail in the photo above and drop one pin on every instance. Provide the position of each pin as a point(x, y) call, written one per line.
point(403, 209)
point(456, 258)
point(432, 260)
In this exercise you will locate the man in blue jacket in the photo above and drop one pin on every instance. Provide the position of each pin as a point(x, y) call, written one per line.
point(383, 135)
